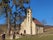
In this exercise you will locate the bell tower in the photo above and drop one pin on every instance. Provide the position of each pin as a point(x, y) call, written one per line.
point(29, 21)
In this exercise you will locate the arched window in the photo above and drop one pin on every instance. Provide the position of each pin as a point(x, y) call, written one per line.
point(24, 31)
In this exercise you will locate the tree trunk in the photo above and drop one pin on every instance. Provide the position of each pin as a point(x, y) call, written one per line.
point(14, 25)
point(7, 21)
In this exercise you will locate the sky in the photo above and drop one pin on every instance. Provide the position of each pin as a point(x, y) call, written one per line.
point(41, 10)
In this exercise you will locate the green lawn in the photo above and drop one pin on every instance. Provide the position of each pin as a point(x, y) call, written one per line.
point(36, 37)
point(44, 37)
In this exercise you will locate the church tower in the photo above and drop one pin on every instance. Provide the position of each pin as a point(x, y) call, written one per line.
point(29, 21)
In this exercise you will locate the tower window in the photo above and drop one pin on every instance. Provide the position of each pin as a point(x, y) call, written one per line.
point(27, 11)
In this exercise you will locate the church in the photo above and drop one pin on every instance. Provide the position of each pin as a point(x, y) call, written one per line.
point(31, 26)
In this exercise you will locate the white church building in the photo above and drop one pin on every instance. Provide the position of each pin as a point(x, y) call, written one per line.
point(30, 25)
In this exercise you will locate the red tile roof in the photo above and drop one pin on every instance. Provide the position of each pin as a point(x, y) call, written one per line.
point(36, 21)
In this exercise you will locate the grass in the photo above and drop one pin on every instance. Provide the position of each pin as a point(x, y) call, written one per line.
point(37, 37)
point(45, 36)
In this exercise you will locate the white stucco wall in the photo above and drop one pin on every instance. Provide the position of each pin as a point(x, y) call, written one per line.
point(23, 27)
point(33, 28)
point(39, 29)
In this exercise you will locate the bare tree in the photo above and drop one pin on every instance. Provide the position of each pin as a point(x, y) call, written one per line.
point(44, 22)
point(20, 8)
point(5, 6)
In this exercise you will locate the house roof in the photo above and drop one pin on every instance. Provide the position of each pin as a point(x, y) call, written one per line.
point(48, 27)
point(37, 22)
